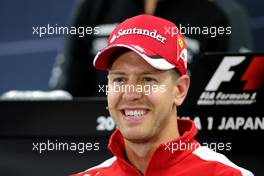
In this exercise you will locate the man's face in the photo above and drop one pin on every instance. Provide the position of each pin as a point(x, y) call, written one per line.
point(142, 100)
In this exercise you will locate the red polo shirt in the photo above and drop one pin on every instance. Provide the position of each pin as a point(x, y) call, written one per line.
point(181, 157)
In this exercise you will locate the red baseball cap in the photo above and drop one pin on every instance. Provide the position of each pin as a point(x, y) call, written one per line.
point(156, 40)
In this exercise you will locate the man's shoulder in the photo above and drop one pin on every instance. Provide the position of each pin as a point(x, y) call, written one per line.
point(219, 161)
point(94, 171)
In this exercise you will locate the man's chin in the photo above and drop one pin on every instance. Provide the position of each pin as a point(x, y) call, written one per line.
point(135, 136)
point(137, 140)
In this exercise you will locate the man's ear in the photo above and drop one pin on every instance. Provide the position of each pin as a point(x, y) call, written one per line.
point(182, 86)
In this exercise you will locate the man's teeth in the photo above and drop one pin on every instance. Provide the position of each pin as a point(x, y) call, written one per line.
point(135, 112)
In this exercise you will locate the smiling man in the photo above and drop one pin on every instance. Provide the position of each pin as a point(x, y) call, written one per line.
point(147, 80)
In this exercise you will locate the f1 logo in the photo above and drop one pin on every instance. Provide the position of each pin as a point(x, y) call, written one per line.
point(223, 73)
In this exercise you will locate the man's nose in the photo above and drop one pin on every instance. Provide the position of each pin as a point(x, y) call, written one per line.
point(132, 92)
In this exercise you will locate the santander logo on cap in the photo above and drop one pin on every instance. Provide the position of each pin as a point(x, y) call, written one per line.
point(149, 37)
point(136, 31)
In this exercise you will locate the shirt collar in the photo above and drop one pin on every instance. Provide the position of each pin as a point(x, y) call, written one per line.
point(166, 154)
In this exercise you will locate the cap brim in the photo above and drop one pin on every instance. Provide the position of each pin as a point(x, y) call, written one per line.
point(102, 58)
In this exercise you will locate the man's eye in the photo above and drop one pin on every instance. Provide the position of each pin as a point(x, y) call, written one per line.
point(119, 80)
point(149, 79)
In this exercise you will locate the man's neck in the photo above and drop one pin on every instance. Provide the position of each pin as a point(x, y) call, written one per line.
point(140, 154)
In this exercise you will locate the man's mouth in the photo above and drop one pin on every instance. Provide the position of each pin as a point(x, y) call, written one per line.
point(136, 112)
point(134, 115)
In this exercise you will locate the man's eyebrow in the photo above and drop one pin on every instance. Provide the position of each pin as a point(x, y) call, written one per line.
point(113, 72)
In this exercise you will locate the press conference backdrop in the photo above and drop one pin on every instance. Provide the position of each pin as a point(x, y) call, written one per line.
point(64, 137)
point(25, 64)
point(22, 53)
